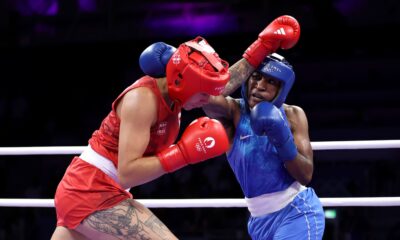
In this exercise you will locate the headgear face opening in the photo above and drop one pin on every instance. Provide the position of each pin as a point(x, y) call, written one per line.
point(277, 67)
point(194, 68)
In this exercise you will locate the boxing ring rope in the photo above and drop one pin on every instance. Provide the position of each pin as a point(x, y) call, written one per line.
point(212, 203)
point(216, 202)
point(328, 145)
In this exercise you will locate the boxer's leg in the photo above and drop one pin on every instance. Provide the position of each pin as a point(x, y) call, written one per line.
point(127, 220)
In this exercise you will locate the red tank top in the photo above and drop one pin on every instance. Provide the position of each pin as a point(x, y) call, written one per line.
point(162, 134)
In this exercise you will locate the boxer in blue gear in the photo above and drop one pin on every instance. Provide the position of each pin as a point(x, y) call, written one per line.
point(270, 151)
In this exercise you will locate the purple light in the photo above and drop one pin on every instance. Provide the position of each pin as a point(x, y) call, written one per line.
point(348, 7)
point(87, 5)
point(36, 7)
point(192, 19)
point(205, 24)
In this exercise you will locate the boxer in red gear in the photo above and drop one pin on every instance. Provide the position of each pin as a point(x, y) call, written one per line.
point(134, 145)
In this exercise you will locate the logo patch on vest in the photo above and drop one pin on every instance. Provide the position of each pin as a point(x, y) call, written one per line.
point(162, 128)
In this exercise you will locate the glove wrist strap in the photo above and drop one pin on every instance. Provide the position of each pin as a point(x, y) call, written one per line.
point(288, 150)
point(256, 53)
point(172, 158)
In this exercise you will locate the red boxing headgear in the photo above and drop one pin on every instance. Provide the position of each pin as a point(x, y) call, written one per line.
point(194, 68)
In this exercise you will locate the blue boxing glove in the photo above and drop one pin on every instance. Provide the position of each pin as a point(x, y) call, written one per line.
point(153, 60)
point(267, 119)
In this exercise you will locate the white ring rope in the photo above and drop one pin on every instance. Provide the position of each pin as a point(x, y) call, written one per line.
point(207, 203)
point(41, 150)
point(216, 202)
point(328, 145)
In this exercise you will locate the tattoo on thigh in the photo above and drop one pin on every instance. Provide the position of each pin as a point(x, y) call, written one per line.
point(156, 225)
point(124, 222)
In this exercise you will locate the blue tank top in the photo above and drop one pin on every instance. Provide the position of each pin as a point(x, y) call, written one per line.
point(254, 160)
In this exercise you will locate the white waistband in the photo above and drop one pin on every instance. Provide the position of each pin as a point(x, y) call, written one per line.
point(272, 202)
point(107, 166)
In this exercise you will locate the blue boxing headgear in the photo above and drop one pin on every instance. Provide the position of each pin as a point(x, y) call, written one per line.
point(275, 66)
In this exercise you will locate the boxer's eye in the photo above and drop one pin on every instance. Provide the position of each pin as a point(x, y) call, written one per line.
point(273, 81)
point(256, 76)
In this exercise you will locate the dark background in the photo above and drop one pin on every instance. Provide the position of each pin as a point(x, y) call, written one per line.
point(62, 63)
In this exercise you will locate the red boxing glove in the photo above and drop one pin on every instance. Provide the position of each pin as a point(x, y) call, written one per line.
point(203, 139)
point(283, 32)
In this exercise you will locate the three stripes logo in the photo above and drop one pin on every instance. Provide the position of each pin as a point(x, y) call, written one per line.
point(280, 31)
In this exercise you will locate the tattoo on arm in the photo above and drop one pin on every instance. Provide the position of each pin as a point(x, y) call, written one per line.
point(240, 72)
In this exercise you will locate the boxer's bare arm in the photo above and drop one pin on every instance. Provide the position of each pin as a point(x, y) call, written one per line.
point(302, 167)
point(240, 72)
